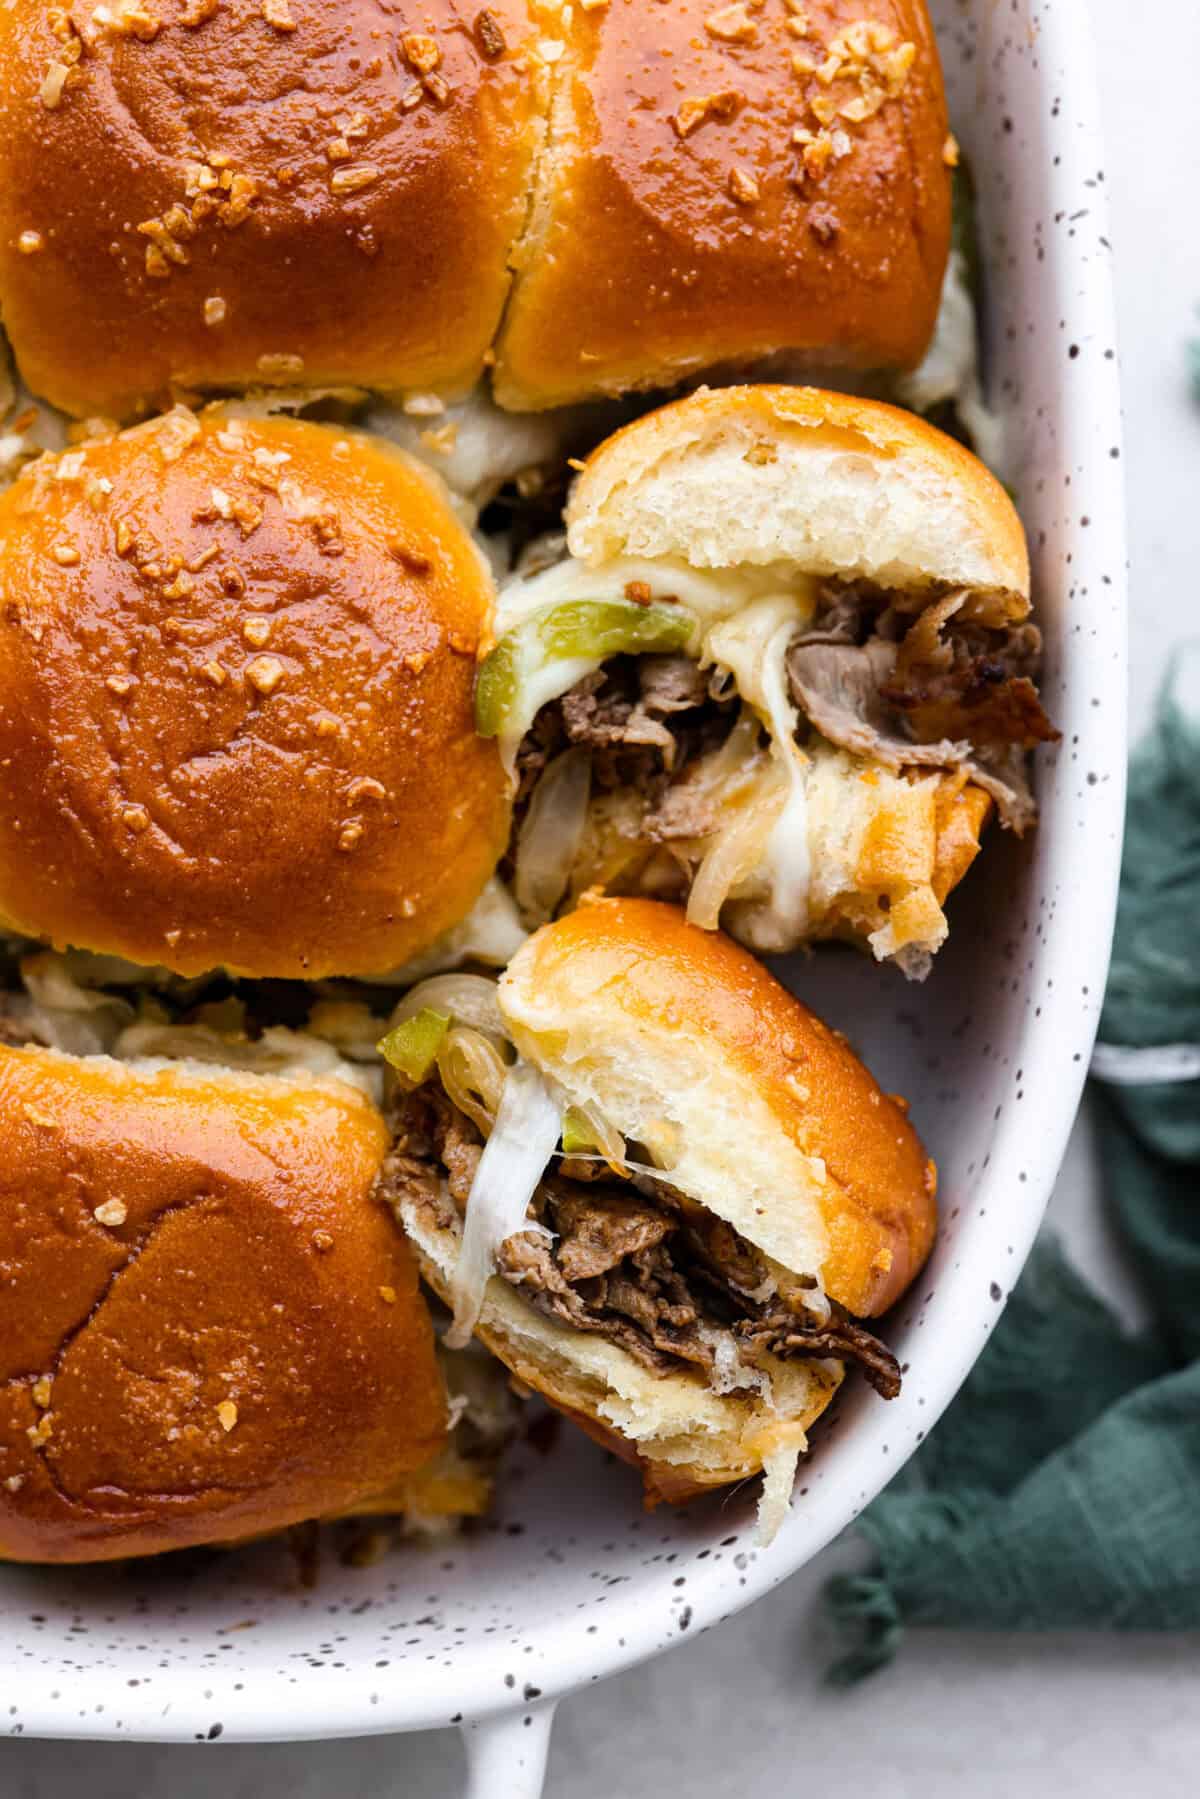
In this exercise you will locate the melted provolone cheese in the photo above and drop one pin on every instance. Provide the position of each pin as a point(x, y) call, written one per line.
point(474, 446)
point(709, 595)
point(64, 1013)
point(745, 618)
point(491, 933)
point(753, 645)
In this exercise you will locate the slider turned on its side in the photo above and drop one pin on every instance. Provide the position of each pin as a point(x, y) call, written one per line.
point(664, 1193)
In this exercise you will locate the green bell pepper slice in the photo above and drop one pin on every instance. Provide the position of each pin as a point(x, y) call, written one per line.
point(577, 1136)
point(412, 1047)
point(576, 629)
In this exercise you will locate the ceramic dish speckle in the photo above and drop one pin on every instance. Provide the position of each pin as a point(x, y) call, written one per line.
point(571, 1580)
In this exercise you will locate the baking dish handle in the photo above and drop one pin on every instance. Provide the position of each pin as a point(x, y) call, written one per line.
point(506, 1753)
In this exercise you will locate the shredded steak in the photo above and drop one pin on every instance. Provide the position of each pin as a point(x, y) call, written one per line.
point(632, 1261)
point(595, 1237)
point(843, 1338)
point(839, 686)
point(930, 691)
point(620, 713)
point(597, 714)
point(941, 693)
point(671, 684)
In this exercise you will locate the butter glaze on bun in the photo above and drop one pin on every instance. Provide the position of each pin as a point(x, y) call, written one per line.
point(679, 221)
point(236, 728)
point(211, 1328)
point(226, 193)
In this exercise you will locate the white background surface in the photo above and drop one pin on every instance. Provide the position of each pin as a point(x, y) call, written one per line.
point(741, 1711)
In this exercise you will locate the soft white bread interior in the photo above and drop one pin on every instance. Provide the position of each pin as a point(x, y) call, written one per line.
point(817, 483)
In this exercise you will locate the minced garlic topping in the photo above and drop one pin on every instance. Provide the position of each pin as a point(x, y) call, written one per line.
point(850, 79)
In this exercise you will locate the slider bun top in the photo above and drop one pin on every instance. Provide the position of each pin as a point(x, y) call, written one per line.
point(827, 484)
point(217, 193)
point(236, 726)
point(679, 221)
point(751, 1105)
point(210, 1327)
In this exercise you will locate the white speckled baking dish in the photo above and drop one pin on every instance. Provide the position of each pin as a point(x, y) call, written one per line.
point(572, 1580)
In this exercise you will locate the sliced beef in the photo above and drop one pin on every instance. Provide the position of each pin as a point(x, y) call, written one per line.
point(996, 712)
point(686, 808)
point(671, 684)
point(434, 1154)
point(839, 687)
point(841, 1337)
point(642, 1306)
point(633, 1261)
point(411, 1184)
point(736, 1264)
point(1006, 778)
point(645, 722)
point(596, 1232)
point(966, 681)
point(459, 1150)
point(526, 1261)
point(623, 705)
point(653, 1294)
point(605, 1271)
point(621, 712)
point(845, 615)
point(948, 694)
point(597, 714)
point(533, 753)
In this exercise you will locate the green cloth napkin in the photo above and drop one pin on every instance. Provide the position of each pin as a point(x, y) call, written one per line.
point(1062, 1488)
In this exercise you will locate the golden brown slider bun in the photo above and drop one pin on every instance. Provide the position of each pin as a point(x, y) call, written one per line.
point(243, 192)
point(727, 181)
point(211, 1328)
point(236, 663)
point(220, 193)
point(681, 1039)
point(820, 483)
